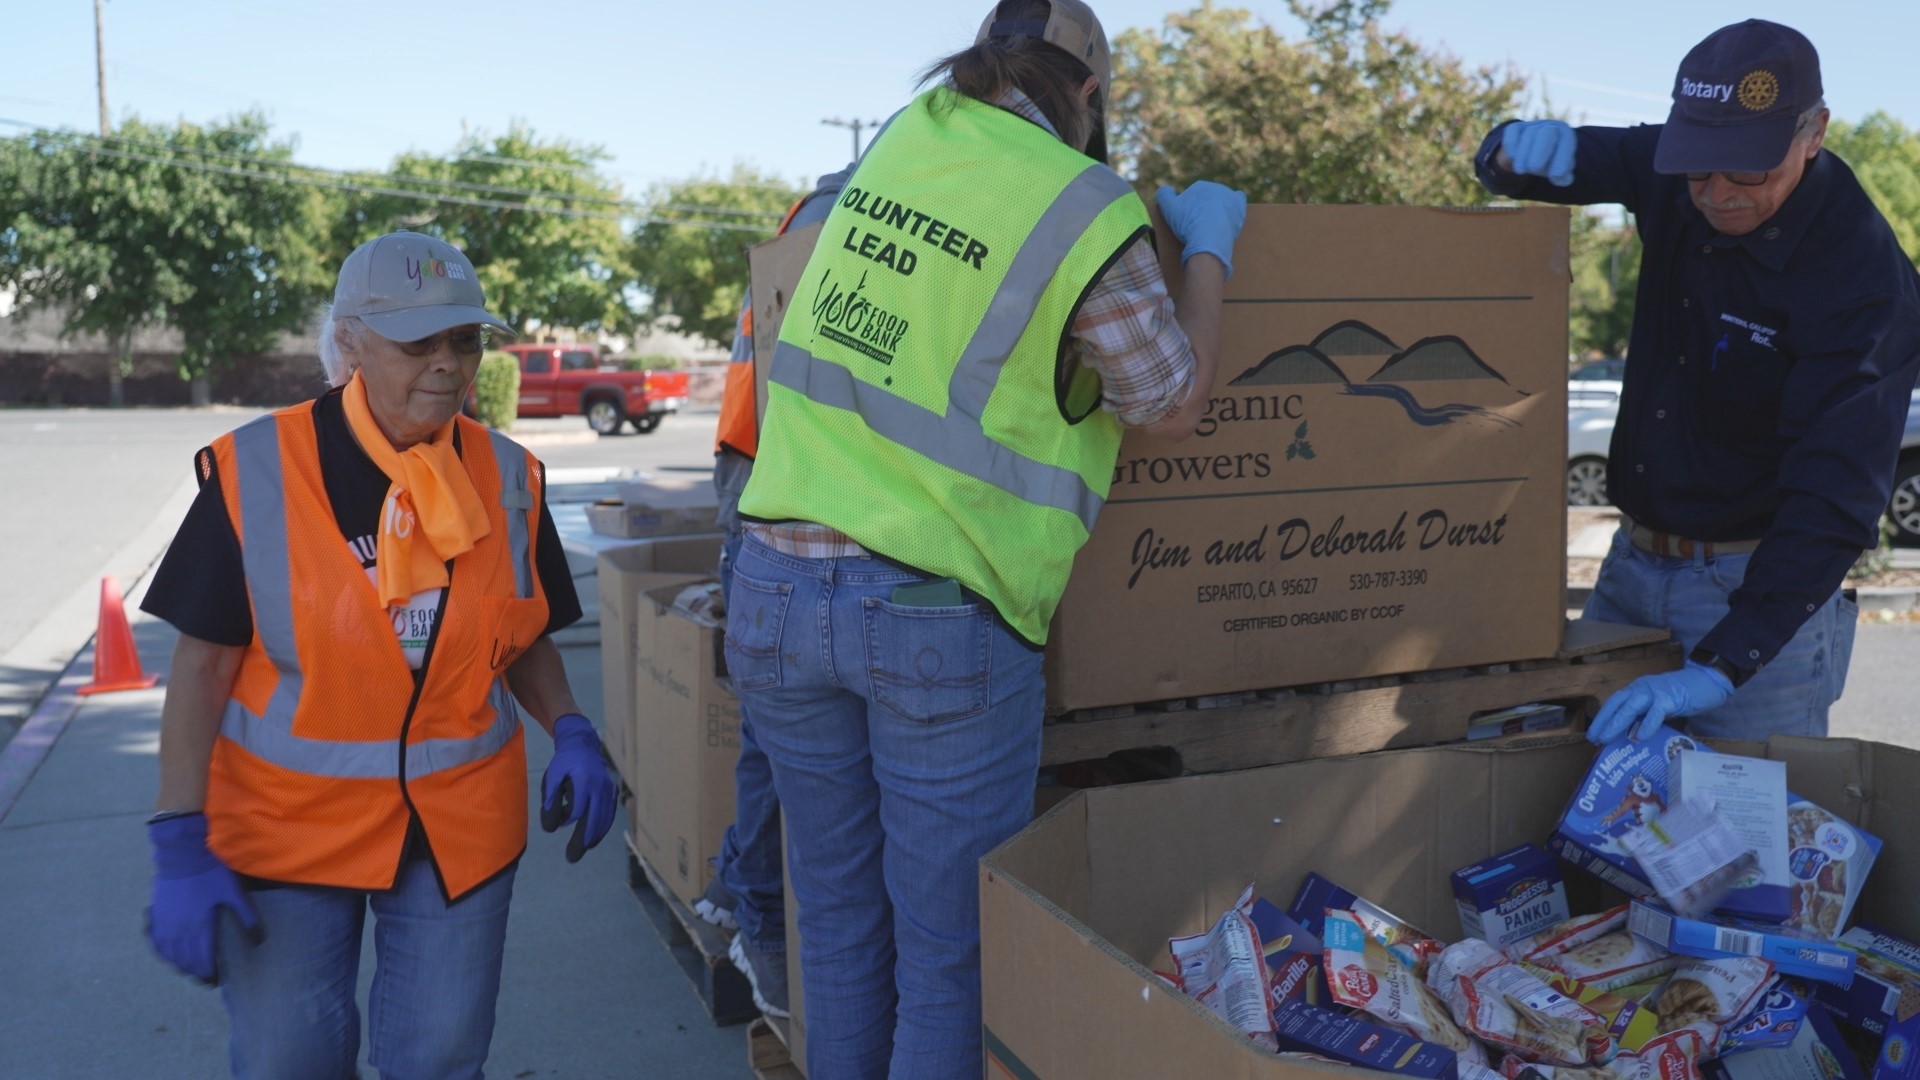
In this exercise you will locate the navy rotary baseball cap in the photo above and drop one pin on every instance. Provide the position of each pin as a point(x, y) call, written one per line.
point(407, 286)
point(1737, 98)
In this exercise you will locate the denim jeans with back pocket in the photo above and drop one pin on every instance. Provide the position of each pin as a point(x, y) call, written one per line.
point(905, 742)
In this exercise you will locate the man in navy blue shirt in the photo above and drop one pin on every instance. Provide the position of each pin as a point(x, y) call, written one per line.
point(1775, 342)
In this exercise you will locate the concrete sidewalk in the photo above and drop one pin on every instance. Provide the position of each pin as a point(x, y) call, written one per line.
point(588, 989)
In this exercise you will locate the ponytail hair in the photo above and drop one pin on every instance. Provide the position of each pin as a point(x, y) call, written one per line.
point(1050, 76)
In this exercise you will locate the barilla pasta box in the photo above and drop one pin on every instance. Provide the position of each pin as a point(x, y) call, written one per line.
point(1886, 982)
point(1818, 1052)
point(1899, 1052)
point(1791, 952)
point(1510, 896)
point(1294, 957)
point(1319, 1030)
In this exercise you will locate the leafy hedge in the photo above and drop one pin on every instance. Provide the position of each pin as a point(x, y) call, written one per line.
point(496, 390)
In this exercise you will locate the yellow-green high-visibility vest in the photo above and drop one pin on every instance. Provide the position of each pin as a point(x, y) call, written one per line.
point(921, 398)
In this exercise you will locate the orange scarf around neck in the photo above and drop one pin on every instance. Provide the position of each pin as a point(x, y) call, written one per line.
point(431, 500)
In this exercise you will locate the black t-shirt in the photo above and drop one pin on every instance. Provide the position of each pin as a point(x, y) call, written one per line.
point(201, 586)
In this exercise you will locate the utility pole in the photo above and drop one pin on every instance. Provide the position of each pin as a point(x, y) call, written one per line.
point(100, 60)
point(120, 366)
point(857, 125)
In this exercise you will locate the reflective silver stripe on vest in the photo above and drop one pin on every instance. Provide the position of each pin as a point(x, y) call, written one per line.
point(271, 738)
point(956, 439)
point(265, 558)
point(516, 496)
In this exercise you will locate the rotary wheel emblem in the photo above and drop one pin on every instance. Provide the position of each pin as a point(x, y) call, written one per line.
point(1759, 91)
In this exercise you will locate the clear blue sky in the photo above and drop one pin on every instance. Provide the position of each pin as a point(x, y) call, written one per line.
point(671, 89)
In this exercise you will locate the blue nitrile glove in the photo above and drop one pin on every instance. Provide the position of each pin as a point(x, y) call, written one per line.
point(190, 886)
point(1541, 148)
point(577, 786)
point(1650, 699)
point(1206, 217)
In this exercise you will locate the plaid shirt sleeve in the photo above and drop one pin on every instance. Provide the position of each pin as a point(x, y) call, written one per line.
point(1127, 332)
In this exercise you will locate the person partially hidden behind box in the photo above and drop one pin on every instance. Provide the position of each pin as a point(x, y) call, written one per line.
point(1775, 341)
point(935, 449)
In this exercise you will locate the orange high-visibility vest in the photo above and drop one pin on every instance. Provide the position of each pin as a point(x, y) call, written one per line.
point(325, 742)
point(739, 428)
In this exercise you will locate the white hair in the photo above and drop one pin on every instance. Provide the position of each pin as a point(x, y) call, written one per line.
point(342, 341)
point(1809, 118)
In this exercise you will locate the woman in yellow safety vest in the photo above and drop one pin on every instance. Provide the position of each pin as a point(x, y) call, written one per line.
point(982, 316)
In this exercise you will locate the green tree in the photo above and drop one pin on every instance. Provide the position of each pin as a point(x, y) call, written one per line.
point(1606, 271)
point(1885, 155)
point(695, 268)
point(538, 219)
point(1349, 114)
point(195, 226)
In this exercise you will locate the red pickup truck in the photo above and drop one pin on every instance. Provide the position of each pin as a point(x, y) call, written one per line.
point(568, 380)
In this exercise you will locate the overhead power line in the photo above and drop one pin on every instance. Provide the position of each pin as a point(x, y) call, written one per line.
point(378, 184)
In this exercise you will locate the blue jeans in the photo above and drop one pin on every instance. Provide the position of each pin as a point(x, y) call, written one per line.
point(904, 742)
point(1790, 696)
point(436, 979)
point(749, 864)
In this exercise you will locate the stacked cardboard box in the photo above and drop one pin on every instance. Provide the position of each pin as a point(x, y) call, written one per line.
point(672, 728)
point(1378, 484)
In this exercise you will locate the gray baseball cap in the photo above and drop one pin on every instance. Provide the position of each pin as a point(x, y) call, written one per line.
point(408, 286)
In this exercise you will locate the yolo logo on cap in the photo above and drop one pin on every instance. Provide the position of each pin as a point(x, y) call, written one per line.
point(419, 270)
point(1759, 91)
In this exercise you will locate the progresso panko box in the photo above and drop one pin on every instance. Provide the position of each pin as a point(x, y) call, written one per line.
point(1886, 982)
point(1511, 896)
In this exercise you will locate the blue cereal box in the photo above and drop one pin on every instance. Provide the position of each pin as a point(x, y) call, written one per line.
point(1818, 1052)
point(1774, 1022)
point(1511, 896)
point(1625, 789)
point(1792, 952)
point(1886, 982)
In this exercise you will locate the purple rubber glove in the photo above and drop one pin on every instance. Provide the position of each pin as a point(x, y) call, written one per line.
point(1541, 148)
point(577, 786)
point(1206, 217)
point(1649, 700)
point(190, 886)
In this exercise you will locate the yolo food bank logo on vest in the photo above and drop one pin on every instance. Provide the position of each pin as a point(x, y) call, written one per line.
point(851, 318)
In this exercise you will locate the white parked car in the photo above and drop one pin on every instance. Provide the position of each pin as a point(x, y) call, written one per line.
point(1592, 405)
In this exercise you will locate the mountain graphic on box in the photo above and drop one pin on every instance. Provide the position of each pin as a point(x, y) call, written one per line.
point(1431, 359)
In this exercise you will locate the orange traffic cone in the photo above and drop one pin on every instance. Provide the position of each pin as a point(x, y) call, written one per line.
point(116, 663)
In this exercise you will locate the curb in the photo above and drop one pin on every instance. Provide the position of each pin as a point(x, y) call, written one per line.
point(554, 438)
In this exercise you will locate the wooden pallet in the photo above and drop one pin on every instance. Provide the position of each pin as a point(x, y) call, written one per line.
point(1271, 727)
point(767, 1053)
point(699, 947)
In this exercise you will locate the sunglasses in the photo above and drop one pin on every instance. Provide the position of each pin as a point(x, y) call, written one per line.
point(1743, 179)
point(464, 342)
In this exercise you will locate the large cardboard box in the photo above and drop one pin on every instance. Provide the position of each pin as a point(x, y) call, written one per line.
point(623, 574)
point(775, 267)
point(686, 740)
point(671, 504)
point(1378, 485)
point(1077, 906)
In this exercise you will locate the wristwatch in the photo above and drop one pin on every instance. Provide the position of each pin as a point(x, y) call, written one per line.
point(1735, 674)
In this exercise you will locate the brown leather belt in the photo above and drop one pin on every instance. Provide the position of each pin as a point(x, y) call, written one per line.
point(1656, 542)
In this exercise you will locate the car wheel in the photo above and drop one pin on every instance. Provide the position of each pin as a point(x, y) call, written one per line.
point(1905, 507)
point(645, 424)
point(604, 416)
point(1587, 482)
